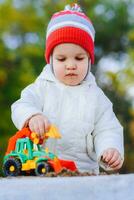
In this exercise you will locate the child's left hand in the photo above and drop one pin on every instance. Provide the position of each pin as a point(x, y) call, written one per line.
point(113, 159)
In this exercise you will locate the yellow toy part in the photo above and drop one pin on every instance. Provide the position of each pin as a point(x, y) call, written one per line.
point(30, 164)
point(52, 133)
point(47, 150)
point(12, 168)
point(35, 138)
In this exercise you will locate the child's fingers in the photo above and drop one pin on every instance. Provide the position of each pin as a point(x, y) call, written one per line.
point(31, 125)
point(39, 124)
point(41, 128)
point(104, 155)
point(43, 125)
point(117, 165)
point(114, 157)
point(36, 126)
point(47, 124)
point(107, 156)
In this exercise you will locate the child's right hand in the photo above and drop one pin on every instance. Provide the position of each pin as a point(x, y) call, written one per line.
point(39, 124)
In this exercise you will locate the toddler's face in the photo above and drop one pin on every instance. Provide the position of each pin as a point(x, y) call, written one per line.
point(70, 63)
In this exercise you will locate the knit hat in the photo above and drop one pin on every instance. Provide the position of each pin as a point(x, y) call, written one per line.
point(70, 26)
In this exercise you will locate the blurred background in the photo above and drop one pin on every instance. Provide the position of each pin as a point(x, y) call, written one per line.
point(22, 42)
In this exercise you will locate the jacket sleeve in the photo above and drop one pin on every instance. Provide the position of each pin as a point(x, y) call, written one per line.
point(108, 133)
point(30, 103)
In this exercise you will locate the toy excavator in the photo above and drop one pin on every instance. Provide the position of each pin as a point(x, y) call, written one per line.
point(25, 154)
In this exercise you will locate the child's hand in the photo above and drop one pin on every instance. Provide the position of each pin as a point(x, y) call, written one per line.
point(39, 124)
point(113, 159)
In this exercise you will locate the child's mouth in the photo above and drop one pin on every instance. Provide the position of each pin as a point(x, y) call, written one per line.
point(71, 74)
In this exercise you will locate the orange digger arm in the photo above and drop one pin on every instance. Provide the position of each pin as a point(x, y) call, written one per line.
point(25, 132)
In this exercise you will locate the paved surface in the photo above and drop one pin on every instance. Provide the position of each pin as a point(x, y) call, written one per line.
point(112, 187)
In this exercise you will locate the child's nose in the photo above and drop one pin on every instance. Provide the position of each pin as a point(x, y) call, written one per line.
point(71, 66)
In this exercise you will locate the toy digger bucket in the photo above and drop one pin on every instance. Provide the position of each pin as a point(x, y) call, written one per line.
point(56, 165)
point(68, 164)
point(53, 133)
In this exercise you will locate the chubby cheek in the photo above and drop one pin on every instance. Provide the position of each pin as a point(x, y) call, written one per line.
point(59, 72)
point(83, 72)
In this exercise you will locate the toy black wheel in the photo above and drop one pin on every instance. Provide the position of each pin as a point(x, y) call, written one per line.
point(42, 168)
point(12, 167)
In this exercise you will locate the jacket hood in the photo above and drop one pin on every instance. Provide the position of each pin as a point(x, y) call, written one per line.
point(48, 75)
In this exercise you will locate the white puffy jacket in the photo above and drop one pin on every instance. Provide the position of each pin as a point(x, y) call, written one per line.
point(82, 113)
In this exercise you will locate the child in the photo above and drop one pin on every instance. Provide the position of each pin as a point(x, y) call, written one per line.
point(66, 94)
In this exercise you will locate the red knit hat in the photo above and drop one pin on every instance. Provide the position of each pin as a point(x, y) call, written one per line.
point(70, 26)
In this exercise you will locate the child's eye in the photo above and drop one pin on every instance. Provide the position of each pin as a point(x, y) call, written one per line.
point(78, 58)
point(61, 59)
